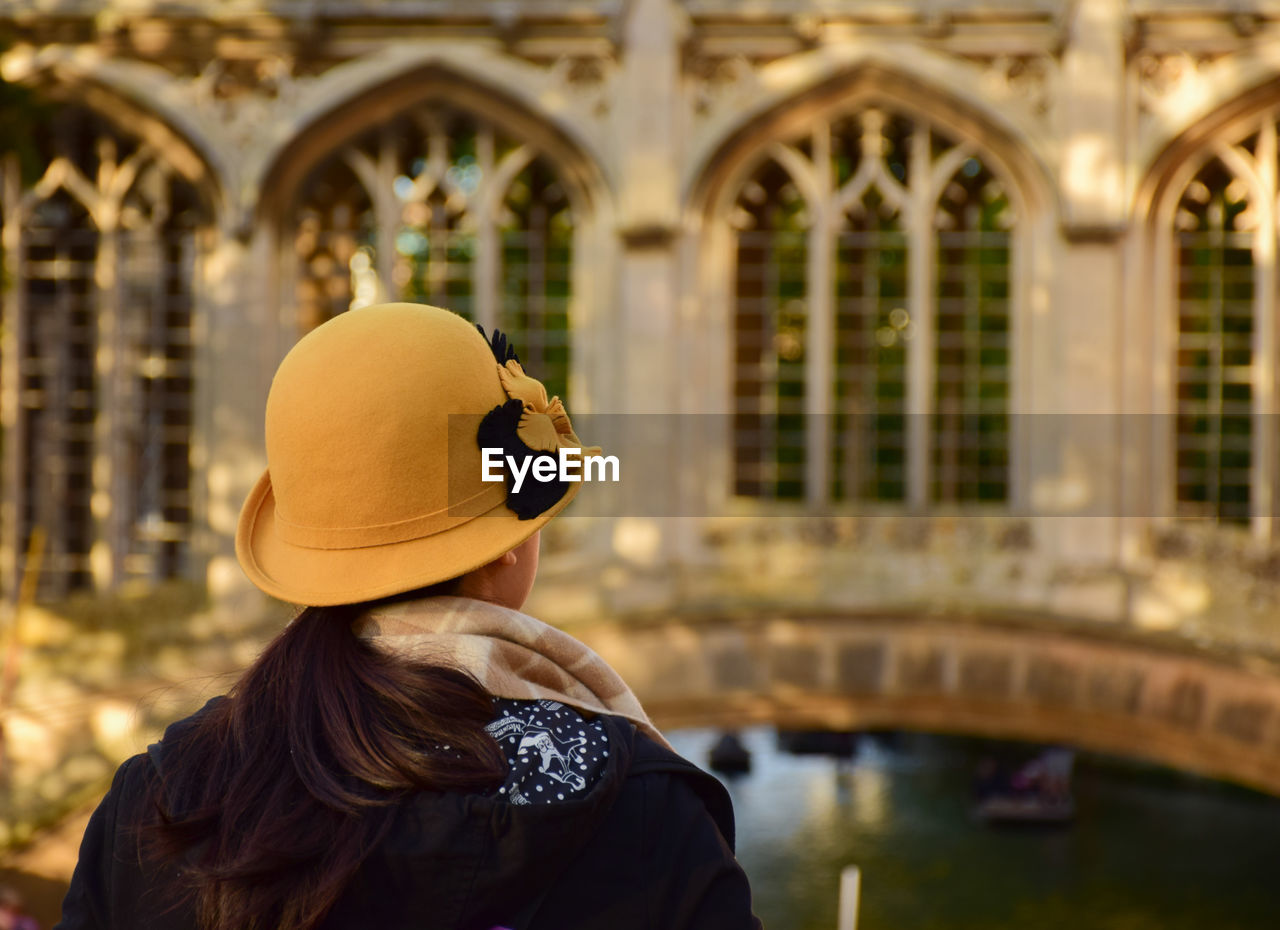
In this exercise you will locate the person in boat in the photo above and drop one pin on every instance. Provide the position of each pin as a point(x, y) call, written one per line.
point(1048, 775)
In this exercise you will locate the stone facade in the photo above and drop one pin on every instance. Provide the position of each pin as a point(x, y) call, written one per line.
point(698, 210)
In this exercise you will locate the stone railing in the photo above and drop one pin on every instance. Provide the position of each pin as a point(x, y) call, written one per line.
point(1212, 587)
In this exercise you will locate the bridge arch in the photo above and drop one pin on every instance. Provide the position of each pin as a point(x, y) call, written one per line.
point(1000, 677)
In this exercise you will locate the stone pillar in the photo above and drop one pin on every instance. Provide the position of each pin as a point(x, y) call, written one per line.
point(1091, 121)
point(238, 345)
point(1081, 493)
point(649, 200)
point(646, 128)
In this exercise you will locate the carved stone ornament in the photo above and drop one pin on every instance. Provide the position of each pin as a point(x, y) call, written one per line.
point(1021, 77)
point(1165, 76)
point(243, 104)
point(589, 80)
point(719, 83)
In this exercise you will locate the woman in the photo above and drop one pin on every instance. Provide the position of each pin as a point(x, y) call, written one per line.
point(412, 751)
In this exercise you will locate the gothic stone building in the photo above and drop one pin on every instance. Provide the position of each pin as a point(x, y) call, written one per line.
point(957, 301)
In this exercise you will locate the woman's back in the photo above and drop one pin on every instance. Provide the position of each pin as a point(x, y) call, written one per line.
point(360, 774)
point(637, 850)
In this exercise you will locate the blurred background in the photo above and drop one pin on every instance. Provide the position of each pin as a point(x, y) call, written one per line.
point(952, 328)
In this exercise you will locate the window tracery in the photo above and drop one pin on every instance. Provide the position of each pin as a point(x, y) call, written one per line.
point(872, 323)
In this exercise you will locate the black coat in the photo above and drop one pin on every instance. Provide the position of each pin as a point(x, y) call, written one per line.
point(649, 848)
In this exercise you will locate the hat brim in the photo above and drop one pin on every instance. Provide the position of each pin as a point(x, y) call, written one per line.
point(325, 577)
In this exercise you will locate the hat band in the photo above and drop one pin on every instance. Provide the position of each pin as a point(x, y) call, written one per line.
point(383, 534)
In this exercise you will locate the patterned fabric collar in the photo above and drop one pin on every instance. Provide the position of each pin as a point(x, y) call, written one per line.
point(553, 753)
point(510, 653)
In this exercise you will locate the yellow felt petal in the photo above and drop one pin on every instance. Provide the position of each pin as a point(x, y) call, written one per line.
point(555, 410)
point(538, 432)
point(518, 385)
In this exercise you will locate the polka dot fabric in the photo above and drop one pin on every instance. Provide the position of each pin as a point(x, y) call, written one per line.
point(554, 754)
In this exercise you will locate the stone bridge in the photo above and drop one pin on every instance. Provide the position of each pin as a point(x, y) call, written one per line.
point(1042, 679)
point(1164, 696)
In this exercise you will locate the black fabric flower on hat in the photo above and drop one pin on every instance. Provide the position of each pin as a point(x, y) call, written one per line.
point(500, 430)
point(528, 426)
point(502, 350)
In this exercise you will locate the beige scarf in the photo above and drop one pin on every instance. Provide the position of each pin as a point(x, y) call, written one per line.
point(511, 654)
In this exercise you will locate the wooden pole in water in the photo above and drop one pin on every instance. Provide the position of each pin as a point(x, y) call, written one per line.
point(850, 895)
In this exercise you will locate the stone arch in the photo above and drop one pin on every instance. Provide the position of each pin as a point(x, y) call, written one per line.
point(917, 80)
point(1205, 99)
point(124, 92)
point(373, 91)
point(1172, 161)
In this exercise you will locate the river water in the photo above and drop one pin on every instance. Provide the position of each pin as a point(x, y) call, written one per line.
point(1150, 849)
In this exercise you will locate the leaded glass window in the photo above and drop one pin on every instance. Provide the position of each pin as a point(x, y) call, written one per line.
point(442, 207)
point(1216, 234)
point(971, 391)
point(100, 449)
point(872, 317)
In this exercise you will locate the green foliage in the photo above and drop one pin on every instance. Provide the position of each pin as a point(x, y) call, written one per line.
point(22, 111)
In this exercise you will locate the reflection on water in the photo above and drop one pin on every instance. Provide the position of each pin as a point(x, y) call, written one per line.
point(1150, 849)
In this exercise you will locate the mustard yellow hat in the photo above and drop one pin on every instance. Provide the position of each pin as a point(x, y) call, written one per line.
point(374, 483)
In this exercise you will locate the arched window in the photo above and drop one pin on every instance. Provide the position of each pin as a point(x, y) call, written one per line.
point(107, 243)
point(442, 207)
point(872, 317)
point(1223, 241)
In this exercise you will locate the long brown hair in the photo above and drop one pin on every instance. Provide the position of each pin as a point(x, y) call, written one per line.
point(276, 795)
